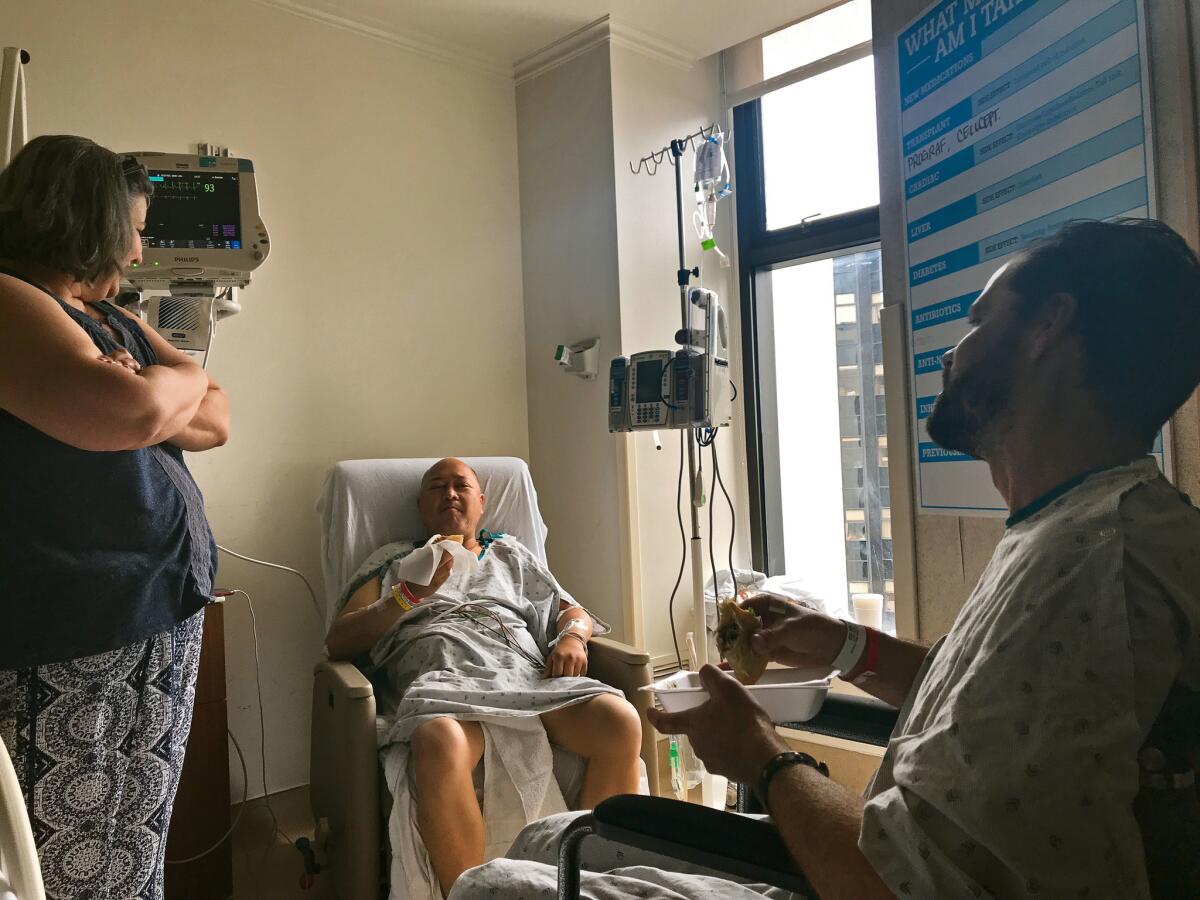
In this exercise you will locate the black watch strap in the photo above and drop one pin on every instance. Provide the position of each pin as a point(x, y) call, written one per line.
point(778, 763)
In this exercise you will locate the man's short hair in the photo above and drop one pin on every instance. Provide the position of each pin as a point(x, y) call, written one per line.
point(1137, 284)
point(64, 205)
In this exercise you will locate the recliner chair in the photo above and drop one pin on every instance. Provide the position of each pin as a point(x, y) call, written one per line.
point(364, 505)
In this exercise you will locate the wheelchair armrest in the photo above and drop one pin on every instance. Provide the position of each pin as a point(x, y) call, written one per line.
point(861, 719)
point(721, 841)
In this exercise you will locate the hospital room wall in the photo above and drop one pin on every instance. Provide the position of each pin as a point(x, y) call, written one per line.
point(952, 551)
point(387, 321)
point(568, 247)
point(599, 256)
point(654, 101)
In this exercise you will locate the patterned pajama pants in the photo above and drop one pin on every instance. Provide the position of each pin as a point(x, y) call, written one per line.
point(98, 743)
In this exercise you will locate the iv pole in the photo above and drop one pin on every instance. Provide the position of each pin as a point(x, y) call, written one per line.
point(696, 543)
point(673, 153)
point(712, 789)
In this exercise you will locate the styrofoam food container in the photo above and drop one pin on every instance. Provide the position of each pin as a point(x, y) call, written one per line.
point(787, 695)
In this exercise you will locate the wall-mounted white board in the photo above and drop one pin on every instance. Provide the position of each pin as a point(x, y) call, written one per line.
point(1016, 117)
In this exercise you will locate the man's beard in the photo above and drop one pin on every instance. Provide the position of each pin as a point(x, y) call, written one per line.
point(969, 409)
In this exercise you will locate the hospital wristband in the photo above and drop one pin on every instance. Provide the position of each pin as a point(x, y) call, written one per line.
point(865, 669)
point(404, 598)
point(852, 649)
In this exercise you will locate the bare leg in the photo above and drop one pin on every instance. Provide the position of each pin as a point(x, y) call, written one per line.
point(445, 752)
point(607, 732)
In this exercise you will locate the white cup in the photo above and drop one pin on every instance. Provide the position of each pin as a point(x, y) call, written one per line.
point(868, 610)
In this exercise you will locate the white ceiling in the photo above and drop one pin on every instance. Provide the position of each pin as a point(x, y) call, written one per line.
point(499, 33)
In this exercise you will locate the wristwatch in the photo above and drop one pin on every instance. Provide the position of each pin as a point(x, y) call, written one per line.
point(778, 763)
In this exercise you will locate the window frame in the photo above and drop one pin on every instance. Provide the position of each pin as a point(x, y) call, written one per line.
point(759, 251)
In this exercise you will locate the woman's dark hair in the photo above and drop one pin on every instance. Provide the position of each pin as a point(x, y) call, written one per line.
point(1137, 284)
point(64, 204)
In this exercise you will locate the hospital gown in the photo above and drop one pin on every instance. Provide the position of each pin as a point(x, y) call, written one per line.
point(1012, 771)
point(467, 669)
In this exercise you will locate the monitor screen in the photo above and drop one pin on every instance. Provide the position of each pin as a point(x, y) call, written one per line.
point(195, 210)
point(649, 381)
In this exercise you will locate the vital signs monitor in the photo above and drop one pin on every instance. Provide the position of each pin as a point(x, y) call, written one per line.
point(203, 238)
point(203, 223)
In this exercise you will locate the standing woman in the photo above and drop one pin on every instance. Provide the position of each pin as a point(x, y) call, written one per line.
point(106, 558)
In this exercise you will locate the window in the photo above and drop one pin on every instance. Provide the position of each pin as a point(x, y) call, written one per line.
point(816, 38)
point(819, 147)
point(811, 290)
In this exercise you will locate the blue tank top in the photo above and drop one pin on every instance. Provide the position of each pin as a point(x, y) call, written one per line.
point(97, 549)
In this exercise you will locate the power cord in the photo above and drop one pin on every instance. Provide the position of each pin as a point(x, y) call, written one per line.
point(236, 820)
point(732, 517)
point(712, 559)
point(276, 829)
point(683, 555)
point(316, 607)
point(241, 756)
point(262, 725)
point(270, 565)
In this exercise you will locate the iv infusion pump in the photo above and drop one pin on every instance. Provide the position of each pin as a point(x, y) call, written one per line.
point(684, 388)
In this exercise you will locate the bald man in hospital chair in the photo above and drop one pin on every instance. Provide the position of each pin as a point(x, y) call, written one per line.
point(488, 661)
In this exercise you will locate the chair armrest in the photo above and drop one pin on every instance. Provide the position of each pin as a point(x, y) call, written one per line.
point(344, 749)
point(628, 669)
point(721, 841)
point(618, 652)
point(859, 719)
point(344, 678)
point(622, 667)
point(344, 775)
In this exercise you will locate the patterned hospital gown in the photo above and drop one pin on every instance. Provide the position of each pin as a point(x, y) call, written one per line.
point(466, 668)
point(469, 670)
point(1012, 771)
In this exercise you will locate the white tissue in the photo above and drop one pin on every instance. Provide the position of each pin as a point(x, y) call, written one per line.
point(418, 567)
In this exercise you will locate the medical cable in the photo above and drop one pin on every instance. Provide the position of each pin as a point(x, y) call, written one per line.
point(712, 559)
point(262, 744)
point(242, 757)
point(236, 819)
point(683, 556)
point(505, 633)
point(212, 325)
point(270, 565)
point(732, 518)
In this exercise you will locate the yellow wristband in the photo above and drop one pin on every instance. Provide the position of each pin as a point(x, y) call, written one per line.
point(398, 594)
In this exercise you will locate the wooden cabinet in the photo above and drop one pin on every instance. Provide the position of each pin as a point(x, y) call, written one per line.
point(201, 813)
